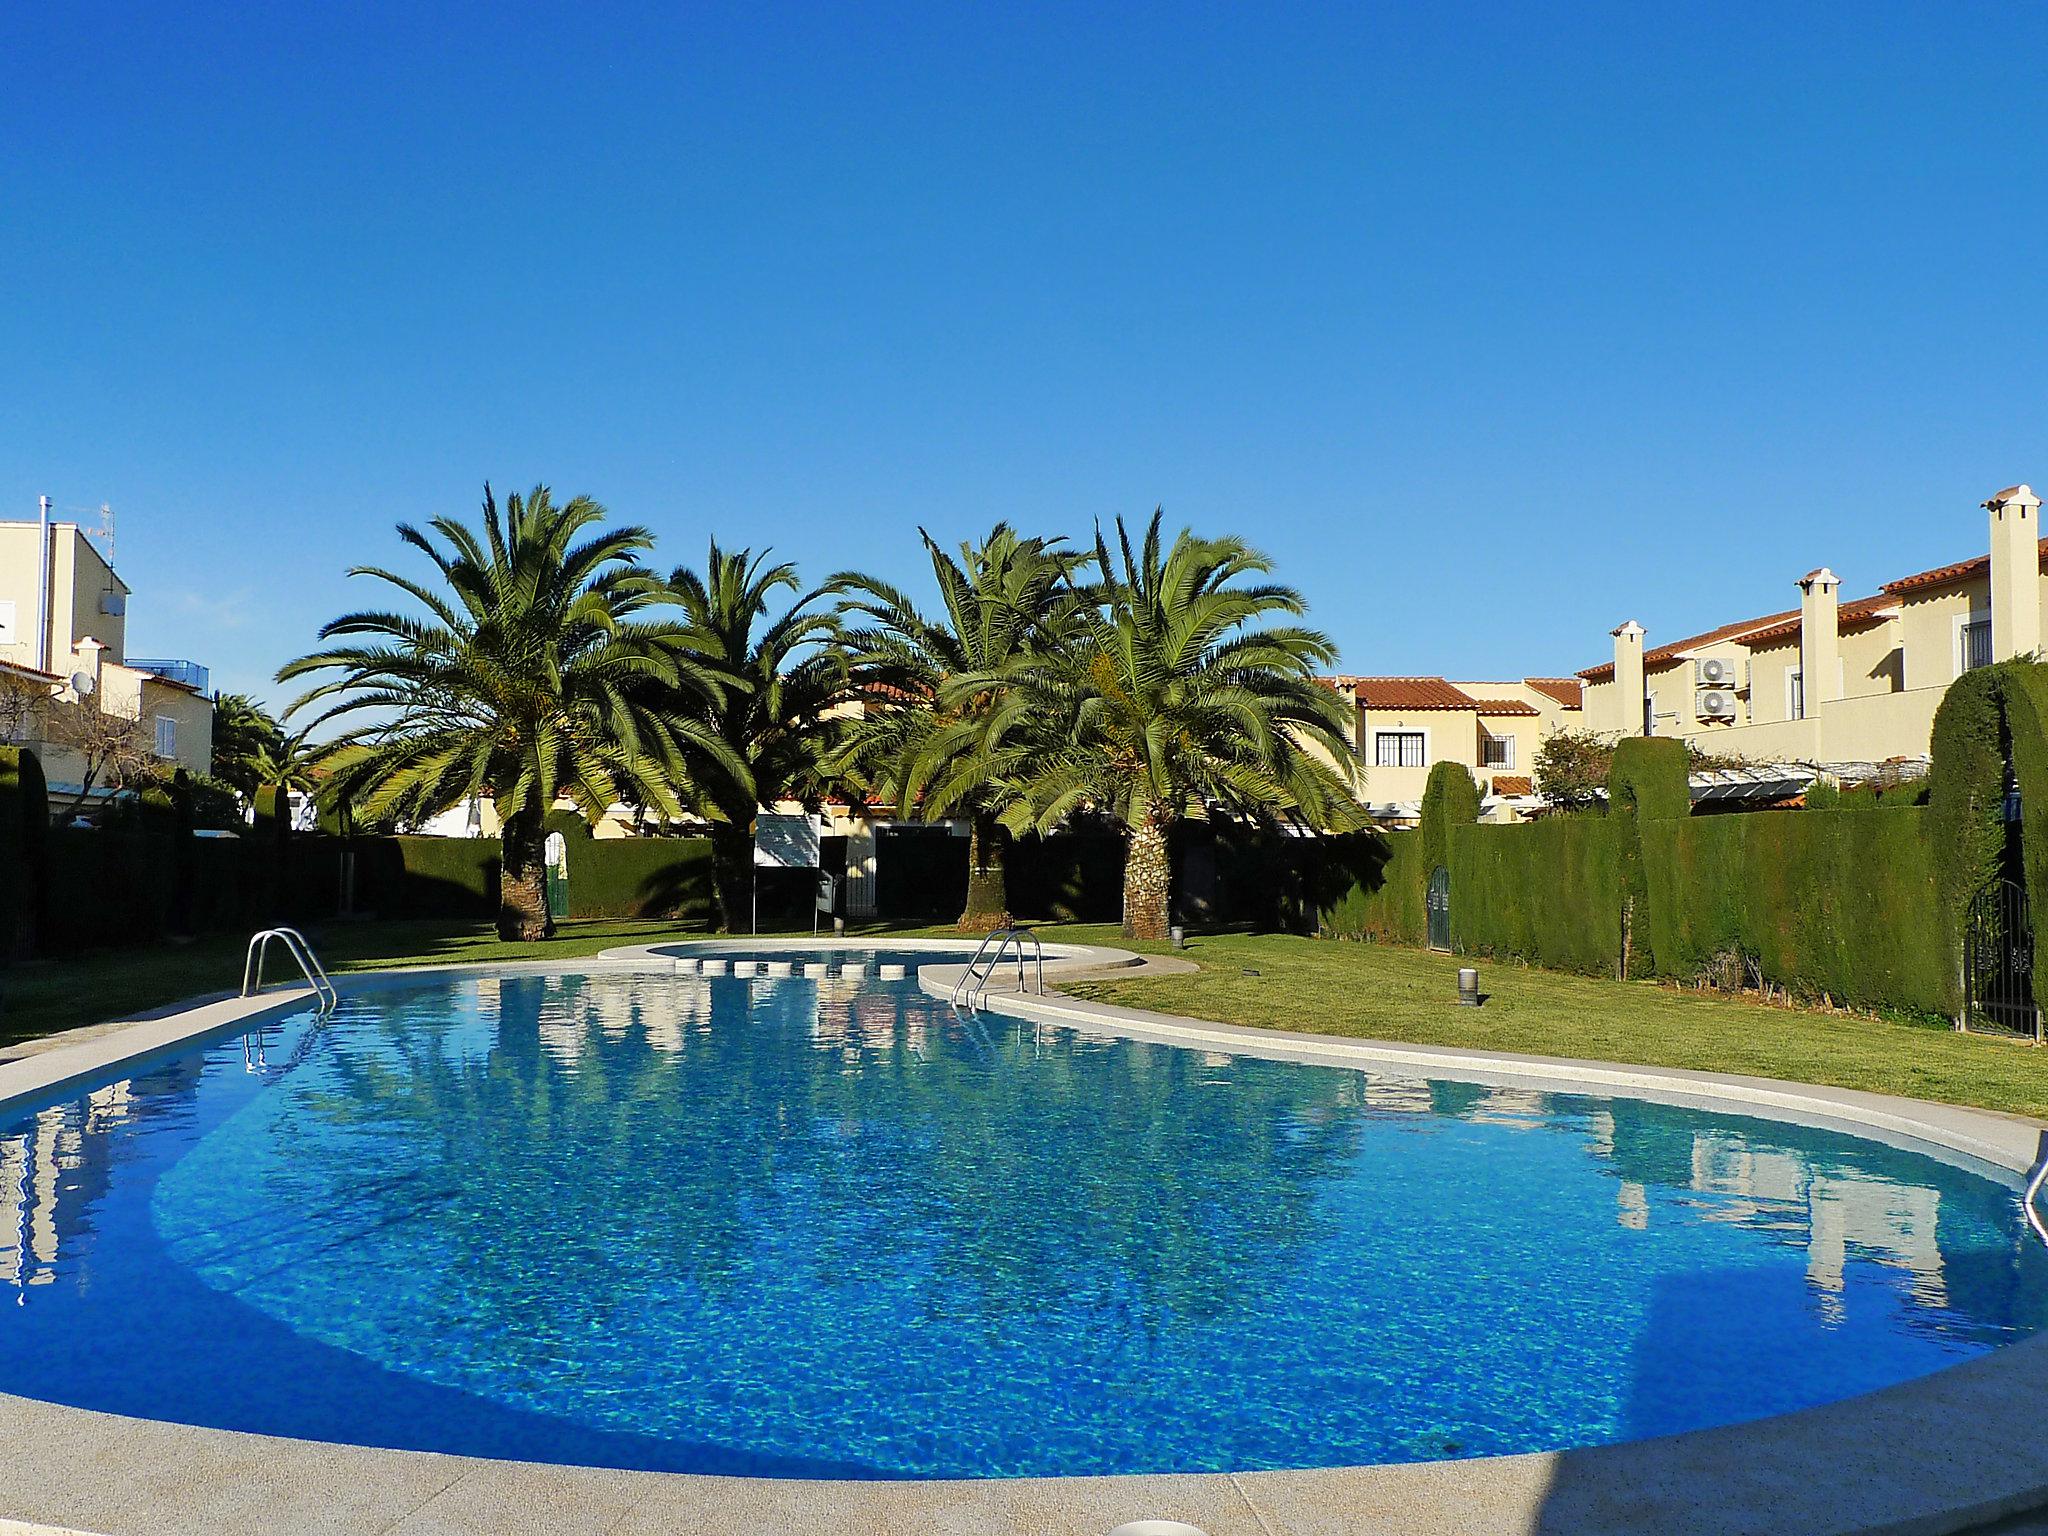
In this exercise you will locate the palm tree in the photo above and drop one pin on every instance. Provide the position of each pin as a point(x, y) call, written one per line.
point(1005, 602)
point(1182, 699)
point(771, 717)
point(286, 762)
point(525, 680)
point(243, 731)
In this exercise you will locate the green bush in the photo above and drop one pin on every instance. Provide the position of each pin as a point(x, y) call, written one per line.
point(1376, 888)
point(24, 851)
point(1547, 893)
point(1967, 789)
point(1648, 782)
point(1450, 798)
point(1990, 716)
point(1823, 795)
point(1839, 903)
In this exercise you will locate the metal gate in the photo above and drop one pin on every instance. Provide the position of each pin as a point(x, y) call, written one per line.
point(1998, 962)
point(1438, 905)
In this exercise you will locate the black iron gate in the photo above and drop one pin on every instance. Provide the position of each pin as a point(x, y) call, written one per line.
point(1438, 905)
point(1998, 962)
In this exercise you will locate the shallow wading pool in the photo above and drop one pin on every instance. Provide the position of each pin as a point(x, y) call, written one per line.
point(817, 1226)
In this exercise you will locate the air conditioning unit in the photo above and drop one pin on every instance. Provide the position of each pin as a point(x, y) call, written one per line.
point(1715, 704)
point(1715, 671)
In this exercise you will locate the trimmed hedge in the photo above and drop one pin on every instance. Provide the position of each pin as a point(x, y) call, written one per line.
point(640, 877)
point(427, 876)
point(1546, 893)
point(1840, 903)
point(114, 885)
point(1384, 895)
point(24, 851)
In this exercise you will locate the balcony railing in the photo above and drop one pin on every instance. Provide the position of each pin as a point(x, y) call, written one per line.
point(188, 673)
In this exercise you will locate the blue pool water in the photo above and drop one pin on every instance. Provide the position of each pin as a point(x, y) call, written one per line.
point(818, 1227)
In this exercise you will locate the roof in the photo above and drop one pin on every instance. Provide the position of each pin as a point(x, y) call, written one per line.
point(1568, 691)
point(1504, 707)
point(1861, 614)
point(1780, 626)
point(1666, 655)
point(1409, 693)
point(1943, 575)
point(1505, 785)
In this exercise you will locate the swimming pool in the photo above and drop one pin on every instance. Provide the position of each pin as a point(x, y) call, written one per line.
point(816, 1226)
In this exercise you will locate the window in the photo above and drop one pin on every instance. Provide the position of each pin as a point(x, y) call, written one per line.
point(1795, 694)
point(1974, 639)
point(1496, 751)
point(1399, 749)
point(166, 736)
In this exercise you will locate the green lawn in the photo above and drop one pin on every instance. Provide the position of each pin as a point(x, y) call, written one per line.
point(1380, 992)
point(1365, 990)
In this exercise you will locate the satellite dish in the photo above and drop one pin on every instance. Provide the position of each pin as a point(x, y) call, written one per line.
point(83, 683)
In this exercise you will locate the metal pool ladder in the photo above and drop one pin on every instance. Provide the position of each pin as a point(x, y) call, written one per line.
point(976, 977)
point(309, 966)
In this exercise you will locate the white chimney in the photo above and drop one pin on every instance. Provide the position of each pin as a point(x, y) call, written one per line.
point(1628, 679)
point(1820, 638)
point(2015, 572)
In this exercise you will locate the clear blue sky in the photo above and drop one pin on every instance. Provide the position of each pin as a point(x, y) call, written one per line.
point(1494, 325)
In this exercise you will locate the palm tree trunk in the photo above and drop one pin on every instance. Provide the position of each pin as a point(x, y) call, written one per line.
point(522, 881)
point(988, 886)
point(1148, 879)
point(732, 874)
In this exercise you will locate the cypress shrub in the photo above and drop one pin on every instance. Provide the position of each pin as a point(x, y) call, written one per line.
point(184, 862)
point(24, 852)
point(1966, 792)
point(1647, 782)
point(1546, 893)
point(1840, 903)
point(268, 849)
point(1989, 717)
point(1450, 798)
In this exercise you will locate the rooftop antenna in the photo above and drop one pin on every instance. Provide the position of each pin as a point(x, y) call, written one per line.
point(105, 537)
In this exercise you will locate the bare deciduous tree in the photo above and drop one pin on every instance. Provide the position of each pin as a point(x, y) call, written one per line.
point(117, 752)
point(24, 703)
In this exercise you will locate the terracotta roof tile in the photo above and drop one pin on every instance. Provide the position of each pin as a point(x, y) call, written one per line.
point(1942, 575)
point(1504, 785)
point(1667, 655)
point(1409, 693)
point(1861, 614)
point(1568, 691)
point(1504, 707)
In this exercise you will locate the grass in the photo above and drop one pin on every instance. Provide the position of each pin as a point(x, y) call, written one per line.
point(1368, 991)
point(1381, 992)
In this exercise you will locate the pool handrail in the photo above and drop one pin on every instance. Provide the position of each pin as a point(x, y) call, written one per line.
point(975, 978)
point(324, 993)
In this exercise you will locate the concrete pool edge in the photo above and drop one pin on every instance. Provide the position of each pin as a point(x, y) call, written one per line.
point(1932, 1455)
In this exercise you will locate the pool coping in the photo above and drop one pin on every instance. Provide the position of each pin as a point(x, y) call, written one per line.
point(1935, 1455)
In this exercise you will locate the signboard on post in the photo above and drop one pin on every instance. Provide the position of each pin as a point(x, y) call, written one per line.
point(783, 842)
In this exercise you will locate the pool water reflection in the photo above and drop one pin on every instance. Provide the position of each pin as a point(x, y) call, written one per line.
point(817, 1226)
